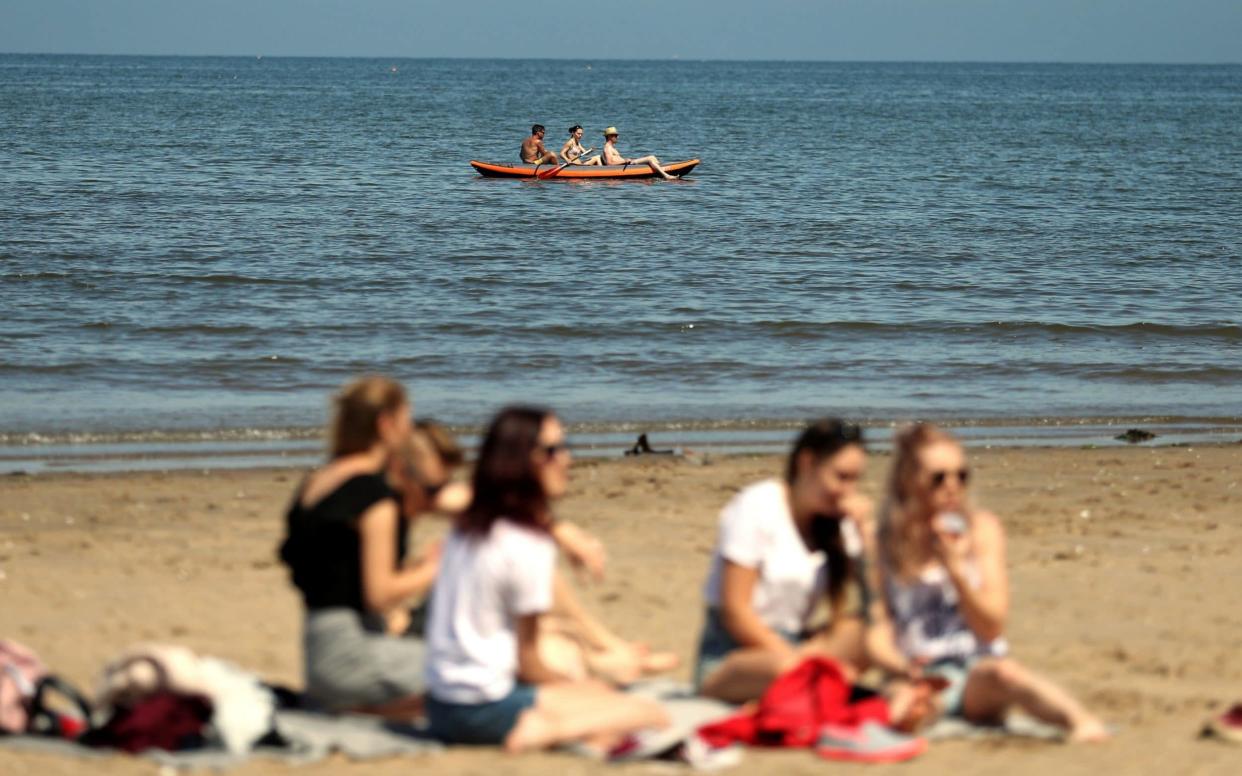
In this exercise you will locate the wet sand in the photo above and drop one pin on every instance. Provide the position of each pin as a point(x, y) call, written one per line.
point(1126, 566)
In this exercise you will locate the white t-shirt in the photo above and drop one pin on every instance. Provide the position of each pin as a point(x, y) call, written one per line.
point(757, 531)
point(484, 585)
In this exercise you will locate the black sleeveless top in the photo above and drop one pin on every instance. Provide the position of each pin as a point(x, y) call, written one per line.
point(323, 548)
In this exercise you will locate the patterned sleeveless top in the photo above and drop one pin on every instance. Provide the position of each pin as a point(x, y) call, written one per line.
point(927, 620)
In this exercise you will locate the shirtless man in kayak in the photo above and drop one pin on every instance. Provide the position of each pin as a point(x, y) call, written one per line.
point(533, 151)
point(613, 156)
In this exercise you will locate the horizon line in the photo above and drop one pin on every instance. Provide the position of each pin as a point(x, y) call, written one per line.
point(1219, 63)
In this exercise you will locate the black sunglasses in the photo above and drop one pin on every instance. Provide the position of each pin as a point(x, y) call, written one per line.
point(938, 477)
point(551, 451)
point(434, 488)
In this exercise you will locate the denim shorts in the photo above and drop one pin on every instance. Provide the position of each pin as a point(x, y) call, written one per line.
point(716, 643)
point(955, 671)
point(479, 723)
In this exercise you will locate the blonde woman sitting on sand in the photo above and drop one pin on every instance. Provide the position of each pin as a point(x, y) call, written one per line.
point(487, 682)
point(573, 152)
point(345, 547)
point(780, 551)
point(946, 592)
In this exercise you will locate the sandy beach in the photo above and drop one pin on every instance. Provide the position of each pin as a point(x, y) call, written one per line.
point(1125, 568)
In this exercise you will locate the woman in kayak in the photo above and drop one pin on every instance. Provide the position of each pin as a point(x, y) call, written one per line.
point(947, 591)
point(613, 156)
point(572, 152)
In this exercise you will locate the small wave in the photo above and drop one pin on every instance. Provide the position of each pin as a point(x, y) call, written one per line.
point(1215, 424)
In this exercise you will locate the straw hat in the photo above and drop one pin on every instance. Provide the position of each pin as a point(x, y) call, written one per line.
point(610, 131)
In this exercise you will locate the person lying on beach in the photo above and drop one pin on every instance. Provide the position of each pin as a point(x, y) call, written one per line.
point(573, 642)
point(487, 682)
point(533, 150)
point(946, 593)
point(573, 151)
point(778, 553)
point(613, 156)
point(345, 548)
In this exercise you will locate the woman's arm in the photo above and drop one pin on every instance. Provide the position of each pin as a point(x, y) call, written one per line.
point(531, 668)
point(737, 590)
point(383, 584)
point(583, 549)
point(984, 607)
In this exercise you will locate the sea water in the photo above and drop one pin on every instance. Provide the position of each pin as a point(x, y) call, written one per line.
point(204, 248)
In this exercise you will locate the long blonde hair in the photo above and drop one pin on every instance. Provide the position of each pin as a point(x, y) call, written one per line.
point(359, 405)
point(902, 537)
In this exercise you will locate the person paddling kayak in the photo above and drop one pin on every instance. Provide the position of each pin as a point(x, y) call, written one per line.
point(533, 150)
point(573, 152)
point(613, 156)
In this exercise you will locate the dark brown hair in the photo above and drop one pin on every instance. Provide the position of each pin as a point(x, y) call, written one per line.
point(505, 481)
point(359, 405)
point(823, 439)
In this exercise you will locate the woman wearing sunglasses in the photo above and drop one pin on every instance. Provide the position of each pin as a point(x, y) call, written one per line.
point(946, 591)
point(487, 681)
point(575, 642)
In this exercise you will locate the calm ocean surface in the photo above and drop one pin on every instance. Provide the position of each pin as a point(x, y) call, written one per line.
point(211, 245)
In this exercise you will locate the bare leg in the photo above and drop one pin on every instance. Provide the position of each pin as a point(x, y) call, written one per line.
point(745, 674)
point(654, 164)
point(844, 641)
point(582, 711)
point(995, 684)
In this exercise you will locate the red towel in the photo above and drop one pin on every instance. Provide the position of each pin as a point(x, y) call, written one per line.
point(794, 708)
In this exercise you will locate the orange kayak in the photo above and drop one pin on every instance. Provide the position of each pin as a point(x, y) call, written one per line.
point(579, 172)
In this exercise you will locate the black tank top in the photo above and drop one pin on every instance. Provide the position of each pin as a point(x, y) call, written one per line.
point(323, 548)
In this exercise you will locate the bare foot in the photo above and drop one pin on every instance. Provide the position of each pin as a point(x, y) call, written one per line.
point(659, 662)
point(1089, 731)
point(912, 706)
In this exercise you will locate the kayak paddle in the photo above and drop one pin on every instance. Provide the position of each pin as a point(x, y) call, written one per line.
point(543, 176)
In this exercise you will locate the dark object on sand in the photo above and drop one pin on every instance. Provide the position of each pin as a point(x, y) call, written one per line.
point(1225, 727)
point(643, 447)
point(1135, 435)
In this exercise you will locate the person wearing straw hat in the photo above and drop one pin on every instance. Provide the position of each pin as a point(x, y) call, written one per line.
point(613, 156)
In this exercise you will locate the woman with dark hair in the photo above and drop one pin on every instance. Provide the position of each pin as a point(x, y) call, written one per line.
point(573, 152)
point(487, 683)
point(345, 547)
point(947, 592)
point(783, 544)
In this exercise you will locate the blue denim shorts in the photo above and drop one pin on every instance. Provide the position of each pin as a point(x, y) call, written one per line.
point(479, 723)
point(955, 671)
point(716, 643)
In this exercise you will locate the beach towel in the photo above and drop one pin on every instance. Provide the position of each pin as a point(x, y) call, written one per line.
point(1014, 725)
point(298, 738)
